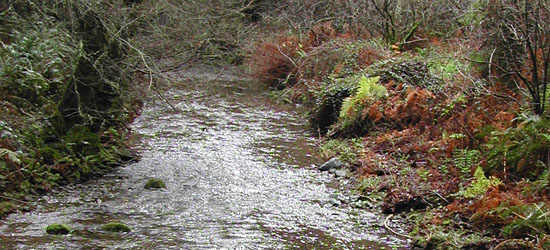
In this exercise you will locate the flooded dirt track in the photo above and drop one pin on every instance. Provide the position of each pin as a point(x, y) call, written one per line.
point(236, 167)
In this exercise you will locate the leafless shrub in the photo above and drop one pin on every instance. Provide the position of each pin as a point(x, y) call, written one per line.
point(520, 35)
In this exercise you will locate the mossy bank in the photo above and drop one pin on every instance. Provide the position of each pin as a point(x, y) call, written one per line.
point(67, 93)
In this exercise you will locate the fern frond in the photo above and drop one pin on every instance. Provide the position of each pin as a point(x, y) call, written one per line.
point(12, 156)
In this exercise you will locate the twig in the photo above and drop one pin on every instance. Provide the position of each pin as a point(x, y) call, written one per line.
point(393, 231)
point(13, 199)
point(440, 196)
point(287, 57)
point(24, 202)
point(161, 97)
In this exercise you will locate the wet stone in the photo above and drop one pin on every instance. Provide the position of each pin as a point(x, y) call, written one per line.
point(116, 227)
point(334, 202)
point(333, 163)
point(58, 228)
point(342, 173)
point(155, 184)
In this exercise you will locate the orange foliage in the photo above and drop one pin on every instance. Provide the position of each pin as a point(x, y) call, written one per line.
point(312, 57)
point(367, 56)
point(272, 61)
point(320, 34)
point(481, 210)
point(373, 112)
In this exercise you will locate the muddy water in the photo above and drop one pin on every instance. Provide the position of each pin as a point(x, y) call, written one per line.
point(238, 176)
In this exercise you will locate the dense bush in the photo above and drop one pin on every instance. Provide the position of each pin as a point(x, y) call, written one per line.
point(409, 72)
point(519, 32)
point(520, 152)
point(66, 91)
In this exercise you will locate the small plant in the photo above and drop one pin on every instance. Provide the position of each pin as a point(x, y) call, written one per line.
point(12, 156)
point(465, 159)
point(369, 90)
point(347, 150)
point(480, 185)
point(37, 62)
point(424, 174)
point(6, 207)
point(369, 184)
point(527, 220)
point(520, 151)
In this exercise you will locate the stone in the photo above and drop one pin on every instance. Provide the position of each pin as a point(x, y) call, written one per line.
point(341, 173)
point(335, 202)
point(116, 227)
point(58, 228)
point(155, 184)
point(331, 164)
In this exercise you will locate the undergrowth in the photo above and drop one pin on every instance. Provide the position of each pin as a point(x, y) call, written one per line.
point(67, 93)
point(445, 102)
point(444, 130)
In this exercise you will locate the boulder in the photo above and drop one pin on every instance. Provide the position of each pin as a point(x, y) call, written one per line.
point(331, 164)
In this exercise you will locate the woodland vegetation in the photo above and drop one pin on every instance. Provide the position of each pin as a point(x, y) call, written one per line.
point(439, 107)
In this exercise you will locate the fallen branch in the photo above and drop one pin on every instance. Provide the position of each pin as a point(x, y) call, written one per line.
point(24, 202)
point(393, 231)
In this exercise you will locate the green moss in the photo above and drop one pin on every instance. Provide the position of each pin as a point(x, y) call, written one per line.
point(116, 227)
point(346, 150)
point(154, 184)
point(369, 184)
point(408, 71)
point(6, 207)
point(58, 228)
point(329, 102)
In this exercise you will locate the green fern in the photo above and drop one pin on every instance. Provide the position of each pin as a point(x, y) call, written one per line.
point(12, 156)
point(480, 185)
point(524, 220)
point(369, 90)
point(465, 159)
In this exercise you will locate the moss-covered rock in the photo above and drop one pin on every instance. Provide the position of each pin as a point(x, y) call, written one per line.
point(58, 228)
point(6, 207)
point(116, 227)
point(155, 184)
point(329, 102)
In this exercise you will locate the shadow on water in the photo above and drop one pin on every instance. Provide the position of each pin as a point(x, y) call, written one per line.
point(235, 166)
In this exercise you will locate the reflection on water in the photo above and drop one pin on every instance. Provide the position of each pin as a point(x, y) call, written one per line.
point(235, 166)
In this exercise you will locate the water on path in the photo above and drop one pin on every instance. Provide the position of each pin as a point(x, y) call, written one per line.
point(236, 168)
